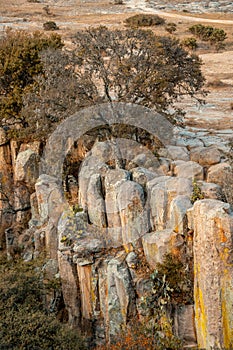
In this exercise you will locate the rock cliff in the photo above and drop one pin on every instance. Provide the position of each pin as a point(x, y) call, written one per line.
point(115, 218)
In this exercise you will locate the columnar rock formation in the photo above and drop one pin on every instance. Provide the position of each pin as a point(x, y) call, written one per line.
point(118, 218)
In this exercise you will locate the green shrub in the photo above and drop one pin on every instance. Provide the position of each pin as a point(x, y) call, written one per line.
point(50, 26)
point(197, 193)
point(170, 27)
point(20, 63)
point(190, 43)
point(214, 36)
point(24, 322)
point(144, 20)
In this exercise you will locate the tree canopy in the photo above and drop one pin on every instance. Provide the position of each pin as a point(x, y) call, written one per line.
point(132, 65)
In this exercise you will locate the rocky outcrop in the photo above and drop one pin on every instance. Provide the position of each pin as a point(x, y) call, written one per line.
point(133, 213)
point(157, 245)
point(212, 222)
point(123, 211)
point(27, 168)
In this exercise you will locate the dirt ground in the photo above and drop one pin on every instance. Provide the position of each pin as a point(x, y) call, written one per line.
point(73, 15)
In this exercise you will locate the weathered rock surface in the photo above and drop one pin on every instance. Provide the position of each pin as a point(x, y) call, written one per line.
point(90, 166)
point(50, 198)
point(121, 296)
point(175, 153)
point(157, 244)
point(3, 137)
point(143, 175)
point(106, 252)
point(95, 202)
point(113, 180)
point(133, 213)
point(212, 222)
point(190, 170)
point(219, 173)
point(206, 156)
point(27, 168)
point(70, 288)
point(184, 325)
point(178, 209)
point(161, 193)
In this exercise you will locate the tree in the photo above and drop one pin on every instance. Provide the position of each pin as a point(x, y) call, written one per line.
point(132, 65)
point(19, 64)
point(137, 66)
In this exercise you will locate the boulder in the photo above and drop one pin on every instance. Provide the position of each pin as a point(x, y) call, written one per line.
point(177, 153)
point(143, 175)
point(210, 190)
point(190, 170)
point(219, 173)
point(90, 166)
point(27, 168)
point(212, 223)
point(178, 209)
point(160, 196)
point(102, 151)
point(206, 156)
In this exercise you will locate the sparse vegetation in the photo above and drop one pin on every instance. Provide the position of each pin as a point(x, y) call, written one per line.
point(197, 193)
point(171, 28)
point(190, 43)
point(144, 20)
